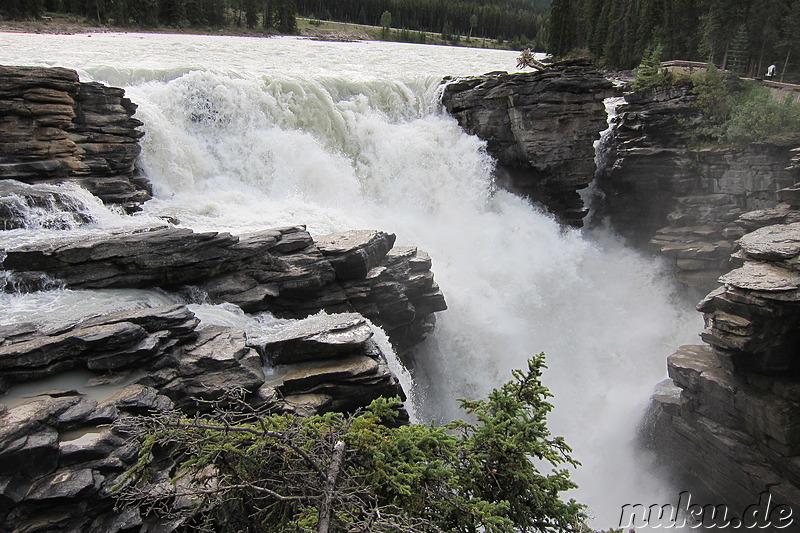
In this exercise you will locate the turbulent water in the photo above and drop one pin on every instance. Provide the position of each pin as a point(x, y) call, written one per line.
point(244, 133)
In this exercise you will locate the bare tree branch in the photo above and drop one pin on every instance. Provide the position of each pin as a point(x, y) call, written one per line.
point(330, 486)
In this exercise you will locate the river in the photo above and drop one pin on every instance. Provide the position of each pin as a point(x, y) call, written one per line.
point(248, 133)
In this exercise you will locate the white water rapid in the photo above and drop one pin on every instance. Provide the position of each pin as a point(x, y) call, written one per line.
point(244, 134)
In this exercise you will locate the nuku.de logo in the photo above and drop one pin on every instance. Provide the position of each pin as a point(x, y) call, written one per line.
point(761, 515)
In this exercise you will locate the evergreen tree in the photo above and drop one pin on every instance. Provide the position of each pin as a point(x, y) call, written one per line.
point(500, 472)
point(739, 54)
point(447, 31)
point(286, 21)
point(386, 24)
point(251, 13)
point(562, 22)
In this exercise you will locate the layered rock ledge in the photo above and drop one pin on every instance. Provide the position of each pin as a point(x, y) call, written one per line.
point(56, 128)
point(540, 127)
point(728, 420)
point(284, 271)
point(686, 202)
point(60, 454)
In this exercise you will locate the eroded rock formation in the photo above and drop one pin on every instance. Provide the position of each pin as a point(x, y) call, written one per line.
point(687, 202)
point(282, 270)
point(55, 128)
point(540, 126)
point(59, 454)
point(728, 421)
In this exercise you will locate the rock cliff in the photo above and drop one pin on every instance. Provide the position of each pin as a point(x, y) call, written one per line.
point(55, 128)
point(540, 127)
point(727, 421)
point(683, 201)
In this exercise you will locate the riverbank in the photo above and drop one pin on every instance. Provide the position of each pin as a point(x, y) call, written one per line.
point(311, 28)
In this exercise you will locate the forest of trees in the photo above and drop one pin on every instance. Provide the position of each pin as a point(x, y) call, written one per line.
point(279, 15)
point(523, 20)
point(519, 20)
point(739, 35)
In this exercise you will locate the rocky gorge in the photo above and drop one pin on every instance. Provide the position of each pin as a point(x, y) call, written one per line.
point(727, 418)
point(726, 217)
point(60, 453)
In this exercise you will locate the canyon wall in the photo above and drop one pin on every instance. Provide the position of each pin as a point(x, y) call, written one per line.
point(540, 127)
point(725, 424)
point(682, 201)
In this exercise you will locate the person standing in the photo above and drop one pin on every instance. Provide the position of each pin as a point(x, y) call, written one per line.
point(771, 71)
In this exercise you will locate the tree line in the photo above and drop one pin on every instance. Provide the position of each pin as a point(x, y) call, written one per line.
point(508, 19)
point(520, 20)
point(738, 35)
point(279, 15)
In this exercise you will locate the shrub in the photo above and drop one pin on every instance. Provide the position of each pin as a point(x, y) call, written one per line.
point(650, 74)
point(361, 472)
point(739, 112)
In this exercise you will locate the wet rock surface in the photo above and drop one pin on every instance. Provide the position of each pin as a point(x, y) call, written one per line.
point(540, 126)
point(283, 271)
point(60, 454)
point(55, 128)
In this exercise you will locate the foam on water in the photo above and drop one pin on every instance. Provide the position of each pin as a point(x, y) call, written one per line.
point(351, 137)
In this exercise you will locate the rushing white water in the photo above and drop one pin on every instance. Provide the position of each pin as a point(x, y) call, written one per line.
point(244, 134)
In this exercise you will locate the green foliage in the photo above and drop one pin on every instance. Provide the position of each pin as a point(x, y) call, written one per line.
point(757, 116)
point(650, 74)
point(386, 24)
point(738, 112)
point(362, 472)
point(733, 34)
point(447, 31)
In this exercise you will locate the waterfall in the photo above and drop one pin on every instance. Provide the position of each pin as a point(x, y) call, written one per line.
point(335, 155)
point(351, 136)
point(592, 196)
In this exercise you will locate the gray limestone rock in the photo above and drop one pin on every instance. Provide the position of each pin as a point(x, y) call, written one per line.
point(317, 337)
point(540, 127)
point(111, 342)
point(354, 253)
point(218, 360)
